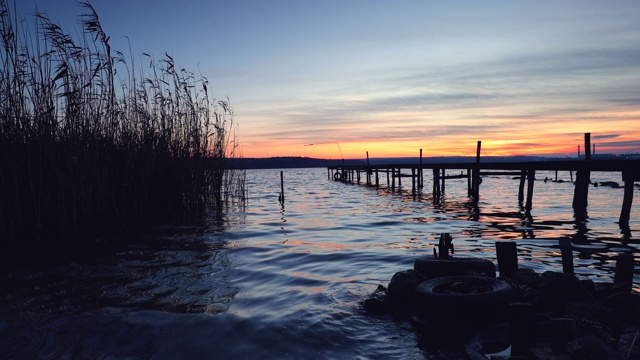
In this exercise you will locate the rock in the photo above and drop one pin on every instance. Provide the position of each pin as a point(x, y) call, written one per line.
point(403, 284)
point(557, 288)
point(375, 303)
point(590, 347)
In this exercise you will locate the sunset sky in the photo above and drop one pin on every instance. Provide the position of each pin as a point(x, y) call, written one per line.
point(391, 77)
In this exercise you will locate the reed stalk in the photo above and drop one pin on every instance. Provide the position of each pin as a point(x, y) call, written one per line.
point(90, 144)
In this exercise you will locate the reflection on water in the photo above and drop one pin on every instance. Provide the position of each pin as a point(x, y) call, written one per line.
point(287, 279)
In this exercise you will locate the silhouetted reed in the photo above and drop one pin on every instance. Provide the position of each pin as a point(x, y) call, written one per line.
point(89, 143)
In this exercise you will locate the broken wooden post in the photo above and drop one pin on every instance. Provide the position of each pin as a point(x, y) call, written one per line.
point(531, 176)
point(436, 183)
point(566, 251)
point(368, 170)
point(581, 190)
point(507, 254)
point(475, 181)
point(413, 181)
point(629, 179)
point(421, 180)
point(523, 176)
point(624, 271)
point(281, 197)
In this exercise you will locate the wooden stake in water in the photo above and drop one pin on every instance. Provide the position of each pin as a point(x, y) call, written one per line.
point(281, 197)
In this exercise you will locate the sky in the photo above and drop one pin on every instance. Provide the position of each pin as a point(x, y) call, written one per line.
point(393, 77)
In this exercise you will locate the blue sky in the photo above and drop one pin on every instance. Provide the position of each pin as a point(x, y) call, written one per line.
point(391, 77)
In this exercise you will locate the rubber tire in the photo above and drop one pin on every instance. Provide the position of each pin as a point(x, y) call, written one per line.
point(337, 176)
point(432, 267)
point(472, 307)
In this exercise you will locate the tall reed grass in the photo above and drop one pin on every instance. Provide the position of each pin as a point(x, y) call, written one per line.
point(90, 143)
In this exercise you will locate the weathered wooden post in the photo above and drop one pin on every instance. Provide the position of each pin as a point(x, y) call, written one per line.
point(475, 181)
point(281, 197)
point(531, 177)
point(421, 180)
point(393, 178)
point(399, 177)
point(469, 186)
point(507, 254)
point(388, 183)
point(444, 176)
point(368, 170)
point(523, 175)
point(377, 179)
point(629, 179)
point(583, 175)
point(624, 271)
point(413, 181)
point(566, 251)
point(436, 182)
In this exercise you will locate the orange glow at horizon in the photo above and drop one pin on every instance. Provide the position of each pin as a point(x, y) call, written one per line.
point(613, 131)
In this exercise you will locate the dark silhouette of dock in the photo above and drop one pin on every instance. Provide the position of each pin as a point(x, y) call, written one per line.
point(525, 171)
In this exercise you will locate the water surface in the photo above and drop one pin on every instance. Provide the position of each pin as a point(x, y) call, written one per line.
point(287, 280)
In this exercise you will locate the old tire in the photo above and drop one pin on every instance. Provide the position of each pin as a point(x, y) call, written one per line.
point(432, 267)
point(462, 300)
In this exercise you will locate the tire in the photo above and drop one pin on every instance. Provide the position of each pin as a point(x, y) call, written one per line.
point(337, 176)
point(444, 301)
point(432, 267)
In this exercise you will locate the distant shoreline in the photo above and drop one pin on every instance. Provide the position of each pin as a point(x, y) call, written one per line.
point(286, 162)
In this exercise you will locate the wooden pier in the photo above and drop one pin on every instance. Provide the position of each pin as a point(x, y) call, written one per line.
point(525, 171)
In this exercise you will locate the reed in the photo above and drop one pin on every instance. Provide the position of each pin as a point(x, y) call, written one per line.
point(91, 144)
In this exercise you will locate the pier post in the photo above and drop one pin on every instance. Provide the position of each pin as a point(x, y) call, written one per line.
point(421, 180)
point(624, 271)
point(368, 170)
point(523, 175)
point(444, 177)
point(413, 181)
point(436, 183)
point(281, 188)
point(531, 177)
point(469, 187)
point(388, 183)
point(581, 191)
point(377, 179)
point(393, 178)
point(475, 181)
point(566, 251)
point(629, 179)
point(507, 254)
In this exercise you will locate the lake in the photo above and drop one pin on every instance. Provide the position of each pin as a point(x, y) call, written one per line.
point(288, 280)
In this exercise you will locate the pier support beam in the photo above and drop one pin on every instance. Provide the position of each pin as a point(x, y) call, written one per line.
point(436, 183)
point(523, 175)
point(629, 178)
point(531, 177)
point(583, 176)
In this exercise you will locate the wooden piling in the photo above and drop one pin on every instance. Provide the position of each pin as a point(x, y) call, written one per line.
point(629, 179)
point(583, 176)
point(523, 176)
point(624, 271)
point(507, 254)
point(281, 198)
point(421, 180)
point(436, 182)
point(413, 181)
point(531, 177)
point(566, 251)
